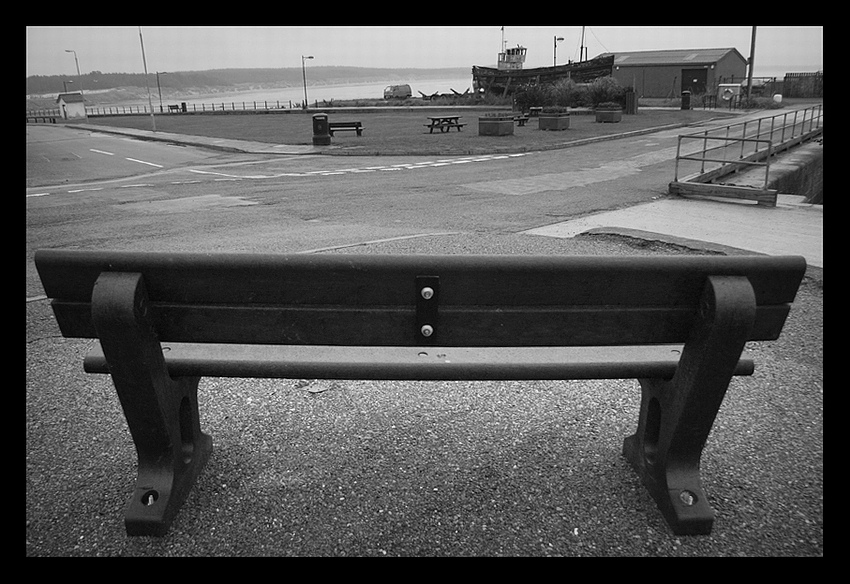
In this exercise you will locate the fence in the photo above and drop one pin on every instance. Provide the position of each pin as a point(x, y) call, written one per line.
point(803, 84)
point(174, 108)
point(748, 144)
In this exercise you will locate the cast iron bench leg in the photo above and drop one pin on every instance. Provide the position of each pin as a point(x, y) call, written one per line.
point(676, 415)
point(161, 412)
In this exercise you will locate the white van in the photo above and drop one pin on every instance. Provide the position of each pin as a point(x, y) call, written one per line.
point(397, 92)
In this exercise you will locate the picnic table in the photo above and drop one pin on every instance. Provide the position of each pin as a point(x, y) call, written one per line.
point(443, 123)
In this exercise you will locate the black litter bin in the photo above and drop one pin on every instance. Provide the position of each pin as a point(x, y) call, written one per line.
point(321, 136)
point(686, 100)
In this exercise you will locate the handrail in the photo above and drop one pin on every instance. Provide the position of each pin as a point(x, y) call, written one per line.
point(753, 132)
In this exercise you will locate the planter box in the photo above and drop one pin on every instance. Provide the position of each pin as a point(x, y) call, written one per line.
point(553, 121)
point(609, 115)
point(496, 126)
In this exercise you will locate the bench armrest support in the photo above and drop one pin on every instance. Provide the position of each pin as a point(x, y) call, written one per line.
point(676, 415)
point(162, 413)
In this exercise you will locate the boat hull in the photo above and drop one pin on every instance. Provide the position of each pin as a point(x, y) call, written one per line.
point(503, 82)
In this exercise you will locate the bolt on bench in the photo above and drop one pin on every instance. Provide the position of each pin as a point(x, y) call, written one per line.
point(678, 324)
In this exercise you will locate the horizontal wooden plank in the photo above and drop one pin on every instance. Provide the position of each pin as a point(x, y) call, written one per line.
point(347, 279)
point(767, 196)
point(417, 363)
point(394, 326)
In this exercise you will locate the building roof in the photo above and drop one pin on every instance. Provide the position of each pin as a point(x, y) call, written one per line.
point(672, 57)
point(76, 97)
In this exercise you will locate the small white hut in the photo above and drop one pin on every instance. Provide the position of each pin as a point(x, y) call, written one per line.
point(72, 105)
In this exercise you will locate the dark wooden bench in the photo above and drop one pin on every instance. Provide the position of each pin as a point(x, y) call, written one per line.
point(345, 126)
point(174, 108)
point(676, 323)
point(521, 120)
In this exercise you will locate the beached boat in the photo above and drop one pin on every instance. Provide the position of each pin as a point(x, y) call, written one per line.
point(510, 74)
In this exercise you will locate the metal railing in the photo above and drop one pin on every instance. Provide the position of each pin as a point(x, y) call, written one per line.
point(750, 143)
point(174, 108)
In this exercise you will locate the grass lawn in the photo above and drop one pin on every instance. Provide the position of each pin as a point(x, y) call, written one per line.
point(398, 131)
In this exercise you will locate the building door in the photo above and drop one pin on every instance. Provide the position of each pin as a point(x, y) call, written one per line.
point(694, 80)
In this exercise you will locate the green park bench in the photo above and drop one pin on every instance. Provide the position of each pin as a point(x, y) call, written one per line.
point(678, 324)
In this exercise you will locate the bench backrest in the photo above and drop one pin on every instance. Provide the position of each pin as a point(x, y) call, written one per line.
point(341, 299)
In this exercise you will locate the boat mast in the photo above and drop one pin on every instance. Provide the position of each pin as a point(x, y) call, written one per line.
point(581, 48)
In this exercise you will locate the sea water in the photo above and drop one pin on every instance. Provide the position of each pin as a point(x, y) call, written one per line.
point(294, 96)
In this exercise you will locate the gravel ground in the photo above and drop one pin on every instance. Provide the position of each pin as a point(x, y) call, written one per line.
point(318, 468)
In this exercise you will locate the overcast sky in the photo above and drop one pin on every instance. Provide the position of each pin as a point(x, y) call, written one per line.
point(117, 49)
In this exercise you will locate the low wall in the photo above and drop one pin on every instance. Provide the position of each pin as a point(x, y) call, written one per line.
point(800, 172)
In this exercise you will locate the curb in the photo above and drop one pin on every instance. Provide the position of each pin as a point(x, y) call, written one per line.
point(200, 142)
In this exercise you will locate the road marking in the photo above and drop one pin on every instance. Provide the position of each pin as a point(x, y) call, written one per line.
point(82, 190)
point(143, 162)
point(374, 241)
point(367, 169)
point(133, 186)
point(101, 152)
point(38, 194)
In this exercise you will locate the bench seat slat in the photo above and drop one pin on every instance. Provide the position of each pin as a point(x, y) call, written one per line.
point(416, 363)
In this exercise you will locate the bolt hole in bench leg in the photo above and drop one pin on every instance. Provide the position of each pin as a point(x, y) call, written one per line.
point(161, 412)
point(676, 415)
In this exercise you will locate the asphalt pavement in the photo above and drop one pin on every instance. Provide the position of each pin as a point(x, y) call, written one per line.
point(315, 468)
point(793, 227)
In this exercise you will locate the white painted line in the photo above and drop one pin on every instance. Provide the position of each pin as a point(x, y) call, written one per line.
point(82, 190)
point(38, 194)
point(101, 152)
point(374, 241)
point(143, 162)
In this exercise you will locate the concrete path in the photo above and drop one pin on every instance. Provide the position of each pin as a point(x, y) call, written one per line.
point(791, 228)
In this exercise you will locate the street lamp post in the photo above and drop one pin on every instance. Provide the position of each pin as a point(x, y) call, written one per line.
point(159, 89)
point(555, 51)
point(147, 85)
point(304, 76)
point(78, 68)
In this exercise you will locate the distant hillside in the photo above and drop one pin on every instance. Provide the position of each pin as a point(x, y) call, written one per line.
point(222, 78)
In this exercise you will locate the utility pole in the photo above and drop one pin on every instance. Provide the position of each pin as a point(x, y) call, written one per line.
point(751, 63)
point(148, 85)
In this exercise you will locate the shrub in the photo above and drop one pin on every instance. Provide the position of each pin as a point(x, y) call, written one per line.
point(527, 96)
point(759, 103)
point(567, 93)
point(605, 89)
